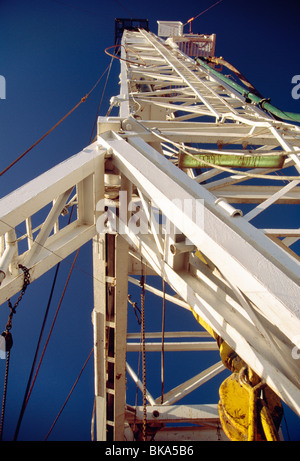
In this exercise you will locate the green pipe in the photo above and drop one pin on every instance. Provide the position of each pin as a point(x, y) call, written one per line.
point(231, 161)
point(263, 103)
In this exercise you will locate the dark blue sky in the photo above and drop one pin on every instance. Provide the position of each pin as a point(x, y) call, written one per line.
point(51, 54)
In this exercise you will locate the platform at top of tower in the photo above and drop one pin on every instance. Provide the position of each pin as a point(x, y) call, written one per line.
point(191, 44)
point(122, 24)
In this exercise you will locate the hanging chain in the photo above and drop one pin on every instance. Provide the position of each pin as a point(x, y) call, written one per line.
point(4, 395)
point(142, 283)
point(163, 343)
point(13, 307)
point(8, 340)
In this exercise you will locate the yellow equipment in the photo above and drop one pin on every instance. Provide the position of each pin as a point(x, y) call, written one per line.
point(249, 410)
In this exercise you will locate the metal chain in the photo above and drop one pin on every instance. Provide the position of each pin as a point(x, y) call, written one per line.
point(143, 357)
point(4, 395)
point(135, 308)
point(255, 386)
point(13, 307)
point(9, 342)
point(163, 343)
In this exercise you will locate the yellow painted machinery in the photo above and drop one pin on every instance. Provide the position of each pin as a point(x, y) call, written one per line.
point(249, 410)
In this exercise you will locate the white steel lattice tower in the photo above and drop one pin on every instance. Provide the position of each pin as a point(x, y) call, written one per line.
point(162, 193)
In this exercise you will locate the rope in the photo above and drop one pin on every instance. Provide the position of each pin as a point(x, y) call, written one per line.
point(244, 80)
point(143, 357)
point(101, 99)
point(48, 338)
point(131, 14)
point(83, 99)
point(126, 60)
point(135, 308)
point(192, 19)
point(24, 404)
point(137, 387)
point(53, 323)
point(69, 395)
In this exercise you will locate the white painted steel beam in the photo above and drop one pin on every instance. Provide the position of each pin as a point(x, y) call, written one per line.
point(191, 384)
point(171, 334)
point(267, 276)
point(254, 194)
point(176, 413)
point(51, 245)
point(36, 194)
point(184, 346)
point(253, 213)
point(139, 384)
point(213, 303)
point(204, 418)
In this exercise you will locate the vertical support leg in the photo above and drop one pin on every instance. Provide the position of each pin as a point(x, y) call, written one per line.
point(110, 333)
point(99, 315)
point(121, 292)
point(99, 320)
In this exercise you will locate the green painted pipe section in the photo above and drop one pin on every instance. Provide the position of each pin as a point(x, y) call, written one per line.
point(263, 103)
point(234, 161)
